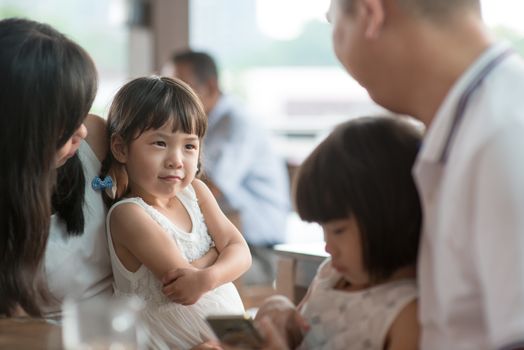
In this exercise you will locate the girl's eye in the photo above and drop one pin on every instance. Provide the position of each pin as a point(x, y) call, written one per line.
point(160, 143)
point(190, 146)
point(338, 230)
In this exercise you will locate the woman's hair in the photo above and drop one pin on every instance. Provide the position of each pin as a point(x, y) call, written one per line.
point(363, 170)
point(47, 86)
point(148, 103)
point(68, 195)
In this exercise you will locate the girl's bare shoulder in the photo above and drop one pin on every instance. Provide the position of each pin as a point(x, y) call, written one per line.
point(404, 332)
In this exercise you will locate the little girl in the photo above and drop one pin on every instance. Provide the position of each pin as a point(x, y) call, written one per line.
point(163, 218)
point(357, 184)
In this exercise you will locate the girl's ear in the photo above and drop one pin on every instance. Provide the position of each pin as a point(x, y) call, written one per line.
point(119, 148)
point(375, 15)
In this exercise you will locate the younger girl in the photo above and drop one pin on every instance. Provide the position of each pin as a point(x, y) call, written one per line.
point(164, 218)
point(357, 184)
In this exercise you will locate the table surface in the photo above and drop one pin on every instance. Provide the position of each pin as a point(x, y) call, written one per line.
point(29, 333)
point(304, 251)
point(296, 267)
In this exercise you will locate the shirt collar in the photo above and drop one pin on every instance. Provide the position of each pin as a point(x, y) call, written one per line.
point(437, 132)
point(218, 111)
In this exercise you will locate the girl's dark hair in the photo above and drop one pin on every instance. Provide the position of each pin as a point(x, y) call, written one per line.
point(47, 86)
point(148, 103)
point(363, 170)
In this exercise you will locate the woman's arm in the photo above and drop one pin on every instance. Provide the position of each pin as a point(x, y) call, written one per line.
point(234, 257)
point(404, 332)
point(97, 135)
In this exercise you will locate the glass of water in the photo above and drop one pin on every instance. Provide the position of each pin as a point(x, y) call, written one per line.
point(103, 324)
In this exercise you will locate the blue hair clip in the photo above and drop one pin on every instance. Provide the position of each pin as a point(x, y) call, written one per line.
point(98, 184)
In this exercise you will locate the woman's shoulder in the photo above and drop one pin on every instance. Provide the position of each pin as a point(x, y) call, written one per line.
point(97, 135)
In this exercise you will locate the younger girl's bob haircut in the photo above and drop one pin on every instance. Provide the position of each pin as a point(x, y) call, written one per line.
point(363, 170)
point(148, 103)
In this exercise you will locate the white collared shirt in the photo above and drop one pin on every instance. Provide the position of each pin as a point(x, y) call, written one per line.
point(471, 261)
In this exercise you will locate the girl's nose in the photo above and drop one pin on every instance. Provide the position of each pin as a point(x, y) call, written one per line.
point(327, 246)
point(174, 160)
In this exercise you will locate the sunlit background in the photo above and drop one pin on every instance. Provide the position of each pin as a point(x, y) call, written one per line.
point(274, 54)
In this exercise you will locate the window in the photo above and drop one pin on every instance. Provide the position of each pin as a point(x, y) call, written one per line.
point(97, 25)
point(277, 56)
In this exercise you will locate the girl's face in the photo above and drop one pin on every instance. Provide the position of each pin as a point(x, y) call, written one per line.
point(161, 162)
point(71, 146)
point(344, 245)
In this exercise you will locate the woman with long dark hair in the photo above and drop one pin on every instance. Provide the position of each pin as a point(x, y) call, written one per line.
point(47, 86)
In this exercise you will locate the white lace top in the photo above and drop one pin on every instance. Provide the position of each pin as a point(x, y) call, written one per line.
point(170, 324)
point(357, 320)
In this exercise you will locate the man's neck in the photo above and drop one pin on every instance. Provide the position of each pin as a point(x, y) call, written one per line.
point(438, 68)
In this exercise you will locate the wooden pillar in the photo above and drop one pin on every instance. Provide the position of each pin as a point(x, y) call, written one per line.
point(170, 24)
point(157, 28)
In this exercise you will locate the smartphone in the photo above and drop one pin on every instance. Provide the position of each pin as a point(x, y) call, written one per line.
point(236, 330)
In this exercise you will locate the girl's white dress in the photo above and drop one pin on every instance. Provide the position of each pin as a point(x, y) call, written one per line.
point(173, 325)
point(359, 320)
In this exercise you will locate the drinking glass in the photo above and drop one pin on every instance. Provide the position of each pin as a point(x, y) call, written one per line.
point(103, 324)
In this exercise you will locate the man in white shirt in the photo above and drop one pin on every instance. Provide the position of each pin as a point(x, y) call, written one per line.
point(436, 61)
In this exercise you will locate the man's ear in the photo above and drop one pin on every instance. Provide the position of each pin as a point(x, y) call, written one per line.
point(119, 148)
point(211, 87)
point(375, 14)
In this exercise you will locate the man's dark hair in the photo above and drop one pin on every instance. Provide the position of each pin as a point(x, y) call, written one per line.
point(203, 65)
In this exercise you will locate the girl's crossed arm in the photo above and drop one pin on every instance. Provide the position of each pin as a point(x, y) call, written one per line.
point(233, 259)
point(138, 240)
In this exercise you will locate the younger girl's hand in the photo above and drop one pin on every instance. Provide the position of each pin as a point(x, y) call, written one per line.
point(185, 285)
point(286, 319)
point(272, 338)
point(208, 345)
